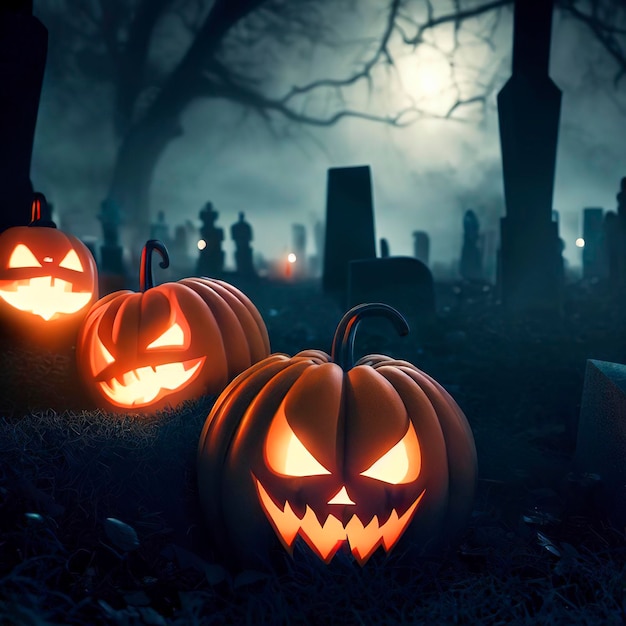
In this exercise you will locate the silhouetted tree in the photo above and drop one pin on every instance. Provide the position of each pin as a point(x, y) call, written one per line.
point(227, 49)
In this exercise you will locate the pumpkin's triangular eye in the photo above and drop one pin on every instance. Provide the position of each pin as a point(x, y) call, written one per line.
point(285, 454)
point(71, 262)
point(401, 464)
point(100, 356)
point(174, 336)
point(23, 257)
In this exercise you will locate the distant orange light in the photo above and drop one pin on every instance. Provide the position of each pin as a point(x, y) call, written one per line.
point(201, 244)
point(291, 257)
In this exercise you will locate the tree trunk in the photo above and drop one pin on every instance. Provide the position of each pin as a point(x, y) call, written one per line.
point(136, 160)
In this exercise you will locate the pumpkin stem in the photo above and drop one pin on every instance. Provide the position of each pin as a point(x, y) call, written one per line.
point(40, 213)
point(342, 351)
point(146, 280)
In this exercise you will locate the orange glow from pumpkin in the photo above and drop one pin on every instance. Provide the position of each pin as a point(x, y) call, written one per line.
point(399, 465)
point(325, 539)
point(285, 454)
point(23, 257)
point(143, 385)
point(71, 261)
point(45, 296)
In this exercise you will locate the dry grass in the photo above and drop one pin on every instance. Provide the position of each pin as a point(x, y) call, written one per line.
point(536, 550)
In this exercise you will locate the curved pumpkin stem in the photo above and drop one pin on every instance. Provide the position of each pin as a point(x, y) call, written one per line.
point(146, 280)
point(342, 351)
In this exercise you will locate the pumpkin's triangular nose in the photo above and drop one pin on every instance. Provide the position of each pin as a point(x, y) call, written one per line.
point(341, 497)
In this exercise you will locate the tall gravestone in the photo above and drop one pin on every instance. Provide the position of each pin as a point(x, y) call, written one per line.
point(471, 265)
point(594, 256)
point(349, 226)
point(528, 110)
point(421, 246)
point(298, 247)
point(23, 51)
point(211, 259)
point(241, 233)
point(111, 273)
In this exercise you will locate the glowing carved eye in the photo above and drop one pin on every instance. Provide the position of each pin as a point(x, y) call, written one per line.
point(173, 336)
point(71, 262)
point(23, 257)
point(401, 464)
point(101, 357)
point(286, 454)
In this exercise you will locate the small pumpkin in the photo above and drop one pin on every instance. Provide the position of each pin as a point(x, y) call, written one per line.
point(48, 278)
point(335, 453)
point(177, 341)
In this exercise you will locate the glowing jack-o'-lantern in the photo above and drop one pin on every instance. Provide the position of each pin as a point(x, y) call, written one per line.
point(48, 278)
point(177, 341)
point(340, 455)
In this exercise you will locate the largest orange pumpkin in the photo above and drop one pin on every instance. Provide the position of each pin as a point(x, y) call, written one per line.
point(168, 343)
point(336, 454)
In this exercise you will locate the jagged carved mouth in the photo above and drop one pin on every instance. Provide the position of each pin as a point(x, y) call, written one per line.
point(45, 296)
point(142, 385)
point(325, 539)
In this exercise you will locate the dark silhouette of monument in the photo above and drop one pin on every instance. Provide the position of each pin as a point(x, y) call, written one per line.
point(421, 246)
point(471, 266)
point(23, 51)
point(241, 234)
point(384, 248)
point(349, 226)
point(211, 260)
point(594, 253)
point(528, 110)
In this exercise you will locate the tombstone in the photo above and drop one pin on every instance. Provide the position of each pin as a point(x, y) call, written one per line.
point(180, 262)
point(349, 226)
point(402, 282)
point(470, 265)
point(528, 112)
point(594, 254)
point(111, 273)
point(160, 230)
point(23, 51)
point(315, 261)
point(421, 246)
point(298, 247)
point(384, 248)
point(211, 259)
point(610, 229)
point(601, 437)
point(241, 234)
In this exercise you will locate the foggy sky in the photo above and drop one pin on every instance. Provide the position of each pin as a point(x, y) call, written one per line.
point(424, 176)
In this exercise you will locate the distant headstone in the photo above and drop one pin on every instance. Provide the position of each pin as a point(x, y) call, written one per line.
point(211, 258)
point(421, 246)
point(402, 282)
point(529, 105)
point(241, 234)
point(23, 51)
point(180, 262)
point(470, 265)
point(384, 248)
point(611, 227)
point(349, 226)
point(601, 440)
point(594, 254)
point(298, 247)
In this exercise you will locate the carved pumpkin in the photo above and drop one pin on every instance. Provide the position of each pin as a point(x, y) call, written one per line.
point(335, 453)
point(48, 278)
point(168, 343)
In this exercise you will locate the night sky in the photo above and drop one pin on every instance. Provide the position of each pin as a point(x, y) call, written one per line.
point(424, 176)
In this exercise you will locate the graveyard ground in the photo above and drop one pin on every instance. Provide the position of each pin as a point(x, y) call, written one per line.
point(536, 551)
